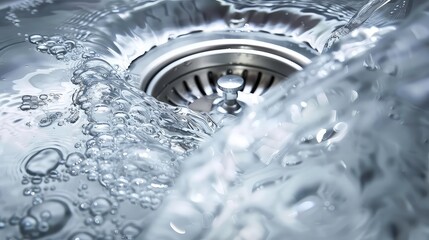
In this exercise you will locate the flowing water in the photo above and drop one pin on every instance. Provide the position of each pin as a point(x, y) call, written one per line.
point(338, 151)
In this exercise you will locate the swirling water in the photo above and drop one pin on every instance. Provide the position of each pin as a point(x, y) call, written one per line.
point(337, 152)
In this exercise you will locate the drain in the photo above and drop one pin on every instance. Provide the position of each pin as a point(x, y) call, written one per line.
point(185, 71)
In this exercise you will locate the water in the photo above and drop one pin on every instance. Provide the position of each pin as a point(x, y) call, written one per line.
point(339, 151)
point(357, 20)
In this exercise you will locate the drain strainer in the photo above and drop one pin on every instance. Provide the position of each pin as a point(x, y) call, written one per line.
point(185, 71)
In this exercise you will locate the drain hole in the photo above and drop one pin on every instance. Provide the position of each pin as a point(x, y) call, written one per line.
point(244, 76)
point(200, 86)
point(212, 81)
point(185, 75)
point(177, 94)
point(188, 90)
point(270, 83)
point(258, 80)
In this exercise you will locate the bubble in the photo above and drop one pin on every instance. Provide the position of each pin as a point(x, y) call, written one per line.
point(54, 174)
point(50, 43)
point(25, 107)
point(84, 206)
point(81, 236)
point(45, 122)
point(59, 216)
point(2, 224)
point(37, 200)
point(105, 141)
point(35, 39)
point(70, 44)
point(43, 97)
point(56, 38)
point(36, 180)
point(88, 55)
point(98, 220)
point(60, 56)
point(26, 98)
point(237, 21)
point(28, 227)
point(43, 227)
point(73, 117)
point(43, 162)
point(30, 191)
point(14, 220)
point(34, 106)
point(74, 159)
point(45, 215)
point(99, 128)
point(42, 48)
point(101, 113)
point(100, 206)
point(130, 231)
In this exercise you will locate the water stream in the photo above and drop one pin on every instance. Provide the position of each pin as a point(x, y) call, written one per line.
point(338, 151)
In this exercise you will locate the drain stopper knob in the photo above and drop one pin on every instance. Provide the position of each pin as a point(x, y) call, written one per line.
point(230, 85)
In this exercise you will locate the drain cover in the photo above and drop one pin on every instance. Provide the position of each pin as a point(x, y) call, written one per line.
point(185, 71)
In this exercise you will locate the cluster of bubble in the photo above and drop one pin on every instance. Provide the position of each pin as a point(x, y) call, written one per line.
point(44, 219)
point(45, 216)
point(33, 102)
point(41, 168)
point(30, 102)
point(136, 143)
point(56, 45)
point(98, 210)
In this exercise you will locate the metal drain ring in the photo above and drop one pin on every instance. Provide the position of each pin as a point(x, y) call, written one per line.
point(186, 69)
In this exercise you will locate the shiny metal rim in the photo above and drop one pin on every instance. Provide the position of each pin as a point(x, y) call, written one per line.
point(186, 69)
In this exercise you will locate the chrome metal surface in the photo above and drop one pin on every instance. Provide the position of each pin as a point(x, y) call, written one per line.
point(230, 85)
point(184, 71)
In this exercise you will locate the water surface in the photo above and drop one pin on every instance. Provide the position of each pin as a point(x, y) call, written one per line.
point(339, 151)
